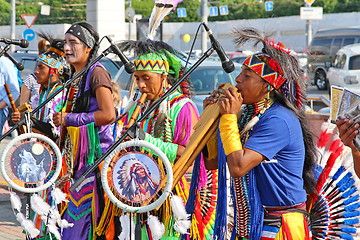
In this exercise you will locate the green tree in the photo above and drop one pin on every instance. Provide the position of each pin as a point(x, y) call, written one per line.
point(143, 7)
point(66, 11)
point(5, 9)
point(191, 12)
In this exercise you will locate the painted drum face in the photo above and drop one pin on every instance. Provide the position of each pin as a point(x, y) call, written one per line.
point(136, 177)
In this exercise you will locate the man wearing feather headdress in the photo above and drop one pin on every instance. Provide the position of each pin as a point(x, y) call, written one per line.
point(136, 182)
point(267, 145)
point(51, 71)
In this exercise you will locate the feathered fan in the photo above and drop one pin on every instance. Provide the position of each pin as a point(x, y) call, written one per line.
point(334, 210)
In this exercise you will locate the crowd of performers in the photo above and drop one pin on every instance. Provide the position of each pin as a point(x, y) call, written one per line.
point(263, 137)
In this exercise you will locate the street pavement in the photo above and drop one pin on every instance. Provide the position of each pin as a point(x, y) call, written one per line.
point(10, 228)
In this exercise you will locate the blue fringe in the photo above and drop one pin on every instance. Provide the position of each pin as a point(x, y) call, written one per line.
point(221, 207)
point(190, 204)
point(256, 208)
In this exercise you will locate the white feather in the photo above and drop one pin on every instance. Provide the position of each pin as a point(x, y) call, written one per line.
point(58, 196)
point(178, 208)
point(63, 223)
point(182, 226)
point(15, 201)
point(54, 230)
point(38, 205)
point(156, 227)
point(20, 217)
point(54, 214)
point(153, 14)
point(125, 223)
point(28, 225)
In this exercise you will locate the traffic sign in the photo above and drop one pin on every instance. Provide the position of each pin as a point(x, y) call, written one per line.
point(29, 34)
point(213, 11)
point(181, 12)
point(29, 19)
point(129, 13)
point(269, 6)
point(224, 10)
point(309, 2)
point(311, 13)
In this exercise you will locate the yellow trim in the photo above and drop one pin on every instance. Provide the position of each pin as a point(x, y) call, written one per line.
point(77, 203)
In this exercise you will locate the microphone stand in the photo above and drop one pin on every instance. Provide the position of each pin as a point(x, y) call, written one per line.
point(133, 128)
point(4, 52)
point(67, 84)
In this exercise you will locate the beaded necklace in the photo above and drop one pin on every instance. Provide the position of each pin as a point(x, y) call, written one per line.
point(249, 117)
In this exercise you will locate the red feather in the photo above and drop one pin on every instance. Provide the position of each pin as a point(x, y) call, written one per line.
point(323, 139)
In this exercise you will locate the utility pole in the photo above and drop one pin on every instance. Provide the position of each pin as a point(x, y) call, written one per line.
point(12, 24)
point(130, 20)
point(204, 18)
point(308, 24)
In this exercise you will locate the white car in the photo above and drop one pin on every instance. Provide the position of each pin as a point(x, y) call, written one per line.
point(205, 79)
point(345, 70)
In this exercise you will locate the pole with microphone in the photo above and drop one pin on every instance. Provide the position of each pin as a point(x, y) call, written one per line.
point(22, 43)
point(134, 129)
point(226, 63)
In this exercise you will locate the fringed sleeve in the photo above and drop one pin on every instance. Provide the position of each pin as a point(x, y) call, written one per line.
point(185, 122)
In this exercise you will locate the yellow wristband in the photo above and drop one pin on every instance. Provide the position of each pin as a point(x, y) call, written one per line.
point(229, 133)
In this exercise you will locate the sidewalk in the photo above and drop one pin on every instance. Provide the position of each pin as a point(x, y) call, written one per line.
point(10, 228)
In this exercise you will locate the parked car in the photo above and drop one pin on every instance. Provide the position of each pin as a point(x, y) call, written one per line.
point(323, 49)
point(204, 79)
point(345, 70)
point(29, 62)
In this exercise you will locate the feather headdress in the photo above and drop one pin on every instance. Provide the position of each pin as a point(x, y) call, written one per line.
point(275, 64)
point(334, 210)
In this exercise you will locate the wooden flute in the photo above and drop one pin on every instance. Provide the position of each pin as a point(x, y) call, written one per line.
point(11, 99)
point(203, 130)
point(137, 110)
point(68, 107)
point(13, 105)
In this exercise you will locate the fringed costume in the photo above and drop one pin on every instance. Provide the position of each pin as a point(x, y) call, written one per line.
point(171, 123)
point(84, 143)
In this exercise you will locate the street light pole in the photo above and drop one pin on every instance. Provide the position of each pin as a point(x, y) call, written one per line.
point(308, 29)
point(204, 18)
point(12, 24)
point(130, 21)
